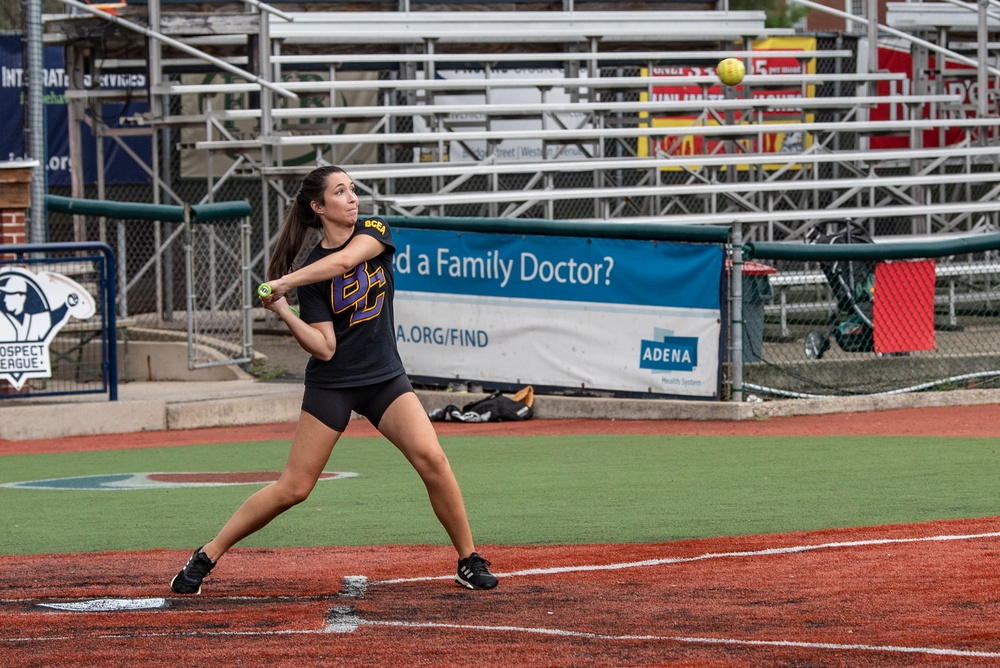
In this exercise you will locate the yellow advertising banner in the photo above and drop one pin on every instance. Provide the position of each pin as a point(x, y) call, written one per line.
point(761, 141)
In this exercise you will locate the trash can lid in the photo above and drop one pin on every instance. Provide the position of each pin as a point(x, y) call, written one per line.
point(751, 268)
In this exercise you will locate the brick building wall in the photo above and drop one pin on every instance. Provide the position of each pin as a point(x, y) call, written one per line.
point(819, 21)
point(12, 226)
point(15, 198)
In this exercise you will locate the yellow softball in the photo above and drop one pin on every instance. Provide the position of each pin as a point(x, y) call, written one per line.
point(731, 71)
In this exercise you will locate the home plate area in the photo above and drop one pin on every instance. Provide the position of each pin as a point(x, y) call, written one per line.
point(888, 596)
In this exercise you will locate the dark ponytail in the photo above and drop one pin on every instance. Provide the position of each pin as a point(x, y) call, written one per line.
point(299, 221)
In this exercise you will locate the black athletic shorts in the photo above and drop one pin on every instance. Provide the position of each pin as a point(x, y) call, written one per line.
point(333, 406)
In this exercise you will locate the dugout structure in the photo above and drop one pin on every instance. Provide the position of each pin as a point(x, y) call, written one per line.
point(200, 251)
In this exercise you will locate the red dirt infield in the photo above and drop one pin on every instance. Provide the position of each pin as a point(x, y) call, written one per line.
point(900, 595)
point(881, 596)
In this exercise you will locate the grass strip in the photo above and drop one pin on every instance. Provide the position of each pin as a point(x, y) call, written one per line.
point(524, 490)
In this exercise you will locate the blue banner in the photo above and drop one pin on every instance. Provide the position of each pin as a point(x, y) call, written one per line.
point(605, 271)
point(604, 314)
point(119, 165)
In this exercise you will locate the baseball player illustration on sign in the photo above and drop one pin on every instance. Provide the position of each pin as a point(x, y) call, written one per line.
point(33, 308)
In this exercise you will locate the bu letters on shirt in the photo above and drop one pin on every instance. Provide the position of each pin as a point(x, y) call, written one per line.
point(360, 290)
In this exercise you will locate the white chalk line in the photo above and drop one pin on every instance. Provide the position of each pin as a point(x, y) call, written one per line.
point(48, 601)
point(691, 639)
point(794, 549)
point(352, 624)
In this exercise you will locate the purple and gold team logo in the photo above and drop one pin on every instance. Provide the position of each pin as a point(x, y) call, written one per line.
point(33, 308)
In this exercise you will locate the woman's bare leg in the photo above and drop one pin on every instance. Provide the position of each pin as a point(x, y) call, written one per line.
point(406, 425)
point(311, 447)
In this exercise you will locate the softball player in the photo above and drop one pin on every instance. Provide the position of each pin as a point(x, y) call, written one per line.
point(345, 289)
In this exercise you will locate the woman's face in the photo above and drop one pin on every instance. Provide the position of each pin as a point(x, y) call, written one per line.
point(340, 201)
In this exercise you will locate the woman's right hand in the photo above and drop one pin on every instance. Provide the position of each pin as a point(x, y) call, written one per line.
point(278, 290)
point(278, 305)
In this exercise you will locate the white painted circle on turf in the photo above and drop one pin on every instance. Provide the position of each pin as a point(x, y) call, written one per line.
point(108, 605)
point(135, 481)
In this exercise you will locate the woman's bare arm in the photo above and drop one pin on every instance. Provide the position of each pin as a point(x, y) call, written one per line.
point(318, 338)
point(360, 249)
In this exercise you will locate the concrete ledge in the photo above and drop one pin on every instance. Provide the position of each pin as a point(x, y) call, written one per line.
point(158, 406)
point(150, 406)
point(867, 404)
point(234, 412)
point(147, 361)
point(558, 407)
point(81, 419)
point(555, 407)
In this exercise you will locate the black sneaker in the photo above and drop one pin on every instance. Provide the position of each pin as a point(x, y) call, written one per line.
point(474, 574)
point(188, 581)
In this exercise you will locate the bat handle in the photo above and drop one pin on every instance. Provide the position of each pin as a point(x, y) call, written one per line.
point(264, 291)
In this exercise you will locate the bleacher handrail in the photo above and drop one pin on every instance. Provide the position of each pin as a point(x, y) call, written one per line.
point(548, 56)
point(451, 85)
point(803, 252)
point(487, 168)
point(735, 131)
point(912, 39)
point(818, 185)
point(529, 109)
point(651, 231)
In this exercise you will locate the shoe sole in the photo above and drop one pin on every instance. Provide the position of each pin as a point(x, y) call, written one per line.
point(469, 585)
point(183, 593)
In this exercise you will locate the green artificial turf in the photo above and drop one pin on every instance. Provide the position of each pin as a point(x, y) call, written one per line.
point(524, 490)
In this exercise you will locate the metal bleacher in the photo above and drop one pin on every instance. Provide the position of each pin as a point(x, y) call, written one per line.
point(589, 113)
point(412, 103)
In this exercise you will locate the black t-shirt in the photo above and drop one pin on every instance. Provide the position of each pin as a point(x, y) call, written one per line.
point(359, 304)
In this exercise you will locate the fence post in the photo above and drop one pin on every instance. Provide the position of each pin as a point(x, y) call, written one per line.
point(189, 282)
point(110, 279)
point(248, 292)
point(122, 270)
point(736, 314)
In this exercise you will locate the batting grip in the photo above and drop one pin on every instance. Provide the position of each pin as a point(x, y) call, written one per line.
point(264, 291)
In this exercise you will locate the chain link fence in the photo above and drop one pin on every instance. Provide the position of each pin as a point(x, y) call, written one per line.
point(177, 281)
point(849, 325)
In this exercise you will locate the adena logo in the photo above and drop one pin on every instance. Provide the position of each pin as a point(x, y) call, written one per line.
point(33, 308)
point(670, 353)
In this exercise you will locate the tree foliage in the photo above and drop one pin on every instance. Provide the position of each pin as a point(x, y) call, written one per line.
point(12, 11)
point(780, 14)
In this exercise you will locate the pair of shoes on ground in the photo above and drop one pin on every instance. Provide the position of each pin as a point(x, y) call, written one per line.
point(471, 386)
point(473, 573)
